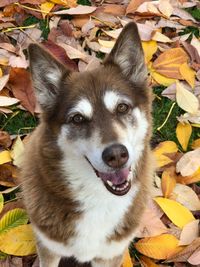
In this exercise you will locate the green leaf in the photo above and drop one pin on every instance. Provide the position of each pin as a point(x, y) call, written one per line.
point(1, 202)
point(13, 218)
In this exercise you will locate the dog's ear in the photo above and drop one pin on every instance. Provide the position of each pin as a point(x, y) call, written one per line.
point(46, 73)
point(128, 54)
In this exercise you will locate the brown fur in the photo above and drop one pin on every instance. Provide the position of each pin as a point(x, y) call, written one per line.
point(48, 199)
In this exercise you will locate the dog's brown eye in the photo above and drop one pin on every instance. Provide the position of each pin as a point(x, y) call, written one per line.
point(123, 108)
point(78, 118)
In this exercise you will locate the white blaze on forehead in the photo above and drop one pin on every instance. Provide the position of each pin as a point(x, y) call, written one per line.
point(84, 107)
point(111, 99)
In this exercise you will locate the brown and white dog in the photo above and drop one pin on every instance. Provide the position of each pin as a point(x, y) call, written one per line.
point(87, 168)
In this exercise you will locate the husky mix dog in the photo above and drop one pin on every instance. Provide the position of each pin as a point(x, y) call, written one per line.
point(87, 168)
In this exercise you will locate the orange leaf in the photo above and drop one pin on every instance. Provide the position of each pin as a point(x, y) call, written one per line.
point(196, 143)
point(146, 262)
point(158, 247)
point(168, 183)
point(169, 62)
point(183, 133)
point(194, 178)
point(127, 262)
point(162, 149)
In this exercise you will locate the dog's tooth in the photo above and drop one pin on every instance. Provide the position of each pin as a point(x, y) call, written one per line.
point(113, 187)
point(109, 183)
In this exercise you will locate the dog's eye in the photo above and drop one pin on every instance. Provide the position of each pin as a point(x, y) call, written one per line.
point(123, 108)
point(77, 119)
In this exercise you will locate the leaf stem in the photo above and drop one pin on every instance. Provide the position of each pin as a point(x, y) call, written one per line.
point(165, 121)
point(31, 8)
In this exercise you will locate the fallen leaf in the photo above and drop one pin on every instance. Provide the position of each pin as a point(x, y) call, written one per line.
point(162, 149)
point(21, 85)
point(66, 3)
point(185, 99)
point(149, 48)
point(165, 7)
point(46, 7)
point(127, 262)
point(194, 178)
point(5, 157)
point(188, 74)
point(158, 247)
point(159, 37)
point(1, 202)
point(18, 241)
point(183, 133)
point(5, 140)
point(196, 144)
point(189, 233)
point(177, 213)
point(79, 10)
point(147, 262)
point(3, 81)
point(73, 53)
point(17, 151)
point(133, 6)
point(187, 197)
point(168, 183)
point(189, 163)
point(168, 63)
point(195, 42)
point(107, 44)
point(195, 258)
point(7, 101)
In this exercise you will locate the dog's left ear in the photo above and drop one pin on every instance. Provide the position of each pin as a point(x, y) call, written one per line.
point(128, 54)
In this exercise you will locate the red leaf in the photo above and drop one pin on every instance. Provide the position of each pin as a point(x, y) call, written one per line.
point(20, 83)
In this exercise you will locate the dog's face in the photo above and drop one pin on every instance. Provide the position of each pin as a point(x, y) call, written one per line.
point(99, 117)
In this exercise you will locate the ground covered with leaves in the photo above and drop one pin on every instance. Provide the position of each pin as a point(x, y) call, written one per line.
point(80, 33)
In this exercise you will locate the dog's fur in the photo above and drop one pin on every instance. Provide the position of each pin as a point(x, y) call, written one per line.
point(72, 212)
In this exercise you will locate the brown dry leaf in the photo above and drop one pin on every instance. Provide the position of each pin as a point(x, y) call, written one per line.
point(133, 6)
point(5, 140)
point(189, 233)
point(195, 258)
point(168, 63)
point(158, 247)
point(7, 175)
point(196, 143)
point(186, 196)
point(168, 182)
point(3, 81)
point(162, 149)
point(185, 99)
point(183, 133)
point(184, 255)
point(74, 53)
point(79, 10)
point(151, 225)
point(165, 7)
point(194, 178)
point(189, 163)
point(20, 83)
point(116, 10)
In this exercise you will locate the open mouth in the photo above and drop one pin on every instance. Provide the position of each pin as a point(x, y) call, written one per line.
point(118, 182)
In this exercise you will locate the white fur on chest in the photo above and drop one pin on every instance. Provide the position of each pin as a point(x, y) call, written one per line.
point(101, 215)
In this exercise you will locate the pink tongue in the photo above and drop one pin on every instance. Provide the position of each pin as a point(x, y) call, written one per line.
point(116, 178)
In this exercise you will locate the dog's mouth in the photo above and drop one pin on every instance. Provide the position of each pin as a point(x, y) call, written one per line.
point(118, 182)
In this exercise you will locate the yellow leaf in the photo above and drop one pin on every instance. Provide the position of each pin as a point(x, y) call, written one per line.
point(168, 183)
point(187, 73)
point(168, 63)
point(177, 213)
point(183, 133)
point(1, 202)
point(17, 151)
point(127, 262)
point(66, 3)
point(46, 7)
point(185, 99)
point(161, 79)
point(147, 262)
point(5, 157)
point(1, 72)
point(158, 247)
point(162, 149)
point(194, 178)
point(149, 48)
point(19, 241)
point(196, 143)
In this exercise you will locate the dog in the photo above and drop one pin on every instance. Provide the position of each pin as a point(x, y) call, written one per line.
point(87, 168)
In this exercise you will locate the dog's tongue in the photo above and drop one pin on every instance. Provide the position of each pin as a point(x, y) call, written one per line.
point(116, 178)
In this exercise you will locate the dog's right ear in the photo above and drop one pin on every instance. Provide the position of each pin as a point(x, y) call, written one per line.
point(47, 73)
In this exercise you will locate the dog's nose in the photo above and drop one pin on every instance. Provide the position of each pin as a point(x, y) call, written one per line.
point(115, 156)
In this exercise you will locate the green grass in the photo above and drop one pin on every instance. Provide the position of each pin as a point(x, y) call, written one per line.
point(18, 123)
point(195, 12)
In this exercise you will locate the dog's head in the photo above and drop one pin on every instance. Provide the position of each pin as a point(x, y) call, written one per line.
point(100, 117)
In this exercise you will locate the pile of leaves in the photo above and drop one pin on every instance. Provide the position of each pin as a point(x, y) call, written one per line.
point(80, 33)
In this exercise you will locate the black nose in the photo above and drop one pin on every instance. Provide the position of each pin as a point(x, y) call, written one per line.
point(115, 156)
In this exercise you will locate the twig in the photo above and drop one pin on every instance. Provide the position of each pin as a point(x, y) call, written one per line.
point(31, 8)
point(18, 28)
point(165, 121)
